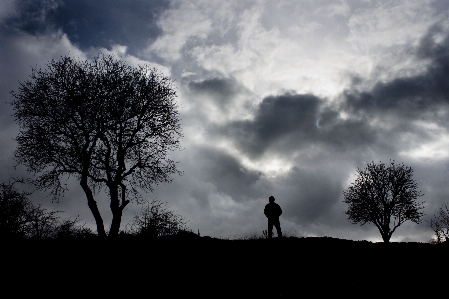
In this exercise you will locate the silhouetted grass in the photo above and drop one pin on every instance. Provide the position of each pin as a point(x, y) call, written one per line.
point(263, 236)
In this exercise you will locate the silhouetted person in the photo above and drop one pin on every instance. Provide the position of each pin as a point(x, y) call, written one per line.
point(273, 211)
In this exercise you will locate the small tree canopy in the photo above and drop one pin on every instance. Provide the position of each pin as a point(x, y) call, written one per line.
point(104, 122)
point(440, 224)
point(384, 196)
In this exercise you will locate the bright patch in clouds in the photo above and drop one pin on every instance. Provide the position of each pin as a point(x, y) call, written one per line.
point(435, 149)
point(179, 24)
point(120, 52)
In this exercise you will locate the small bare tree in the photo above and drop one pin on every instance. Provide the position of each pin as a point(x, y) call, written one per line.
point(440, 224)
point(384, 194)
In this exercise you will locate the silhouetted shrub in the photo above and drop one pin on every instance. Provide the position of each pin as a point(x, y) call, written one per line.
point(156, 220)
point(42, 223)
point(20, 218)
point(14, 212)
point(70, 228)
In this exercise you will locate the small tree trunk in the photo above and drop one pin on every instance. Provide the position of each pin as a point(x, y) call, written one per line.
point(93, 207)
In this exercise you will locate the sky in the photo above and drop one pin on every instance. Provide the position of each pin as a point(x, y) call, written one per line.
point(282, 98)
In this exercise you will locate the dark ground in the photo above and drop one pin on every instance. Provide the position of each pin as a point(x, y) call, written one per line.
point(212, 268)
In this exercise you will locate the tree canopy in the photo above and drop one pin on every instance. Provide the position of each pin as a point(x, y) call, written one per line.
point(104, 122)
point(384, 195)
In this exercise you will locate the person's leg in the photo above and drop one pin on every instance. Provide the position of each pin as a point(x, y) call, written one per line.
point(278, 229)
point(270, 229)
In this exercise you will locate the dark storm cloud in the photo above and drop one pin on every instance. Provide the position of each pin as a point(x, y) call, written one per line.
point(292, 122)
point(414, 97)
point(222, 91)
point(89, 24)
point(278, 119)
point(226, 173)
point(31, 16)
point(440, 5)
point(221, 88)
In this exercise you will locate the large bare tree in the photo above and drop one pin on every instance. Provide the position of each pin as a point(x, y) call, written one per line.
point(384, 196)
point(108, 124)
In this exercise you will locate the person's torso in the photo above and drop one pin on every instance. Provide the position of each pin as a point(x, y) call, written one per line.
point(272, 210)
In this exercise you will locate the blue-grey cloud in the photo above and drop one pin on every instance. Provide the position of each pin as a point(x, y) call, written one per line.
point(93, 24)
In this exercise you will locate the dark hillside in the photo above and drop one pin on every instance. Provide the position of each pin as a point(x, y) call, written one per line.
point(213, 268)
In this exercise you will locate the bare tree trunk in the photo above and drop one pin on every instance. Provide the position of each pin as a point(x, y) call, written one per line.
point(115, 225)
point(93, 207)
point(116, 211)
point(386, 234)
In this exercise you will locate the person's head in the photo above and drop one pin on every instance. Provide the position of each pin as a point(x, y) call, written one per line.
point(271, 199)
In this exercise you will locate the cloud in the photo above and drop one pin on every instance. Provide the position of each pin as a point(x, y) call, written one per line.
point(121, 52)
point(181, 22)
point(324, 141)
point(221, 99)
point(93, 24)
point(226, 173)
point(288, 124)
point(20, 52)
point(412, 96)
point(415, 107)
point(379, 24)
point(282, 98)
point(281, 119)
point(304, 199)
point(8, 9)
